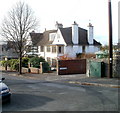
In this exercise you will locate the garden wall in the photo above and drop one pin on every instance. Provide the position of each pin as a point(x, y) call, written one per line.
point(97, 60)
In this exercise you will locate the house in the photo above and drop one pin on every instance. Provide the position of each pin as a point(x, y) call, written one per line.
point(7, 51)
point(31, 43)
point(69, 41)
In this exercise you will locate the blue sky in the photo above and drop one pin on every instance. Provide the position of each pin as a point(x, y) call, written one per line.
point(68, 11)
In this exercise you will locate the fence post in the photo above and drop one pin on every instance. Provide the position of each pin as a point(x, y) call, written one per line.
point(41, 67)
point(57, 67)
point(29, 65)
point(5, 67)
point(88, 67)
point(6, 63)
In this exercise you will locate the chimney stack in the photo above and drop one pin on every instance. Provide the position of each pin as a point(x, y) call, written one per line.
point(58, 25)
point(90, 33)
point(75, 33)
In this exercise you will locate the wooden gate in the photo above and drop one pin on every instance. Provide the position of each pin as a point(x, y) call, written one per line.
point(71, 67)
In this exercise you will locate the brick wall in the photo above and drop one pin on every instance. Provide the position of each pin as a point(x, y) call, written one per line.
point(34, 70)
point(25, 70)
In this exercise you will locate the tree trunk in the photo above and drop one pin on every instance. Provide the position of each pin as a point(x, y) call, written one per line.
point(20, 63)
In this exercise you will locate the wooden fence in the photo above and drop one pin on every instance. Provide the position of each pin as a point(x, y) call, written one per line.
point(71, 67)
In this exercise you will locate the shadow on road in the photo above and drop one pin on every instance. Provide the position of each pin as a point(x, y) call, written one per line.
point(23, 102)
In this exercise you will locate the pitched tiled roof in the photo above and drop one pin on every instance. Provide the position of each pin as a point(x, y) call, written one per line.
point(96, 43)
point(83, 40)
point(67, 35)
point(45, 38)
point(36, 37)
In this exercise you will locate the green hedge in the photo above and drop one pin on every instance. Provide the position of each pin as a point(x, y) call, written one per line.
point(3, 63)
point(46, 67)
point(14, 63)
point(35, 62)
point(25, 61)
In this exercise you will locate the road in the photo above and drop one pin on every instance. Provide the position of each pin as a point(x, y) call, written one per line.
point(40, 95)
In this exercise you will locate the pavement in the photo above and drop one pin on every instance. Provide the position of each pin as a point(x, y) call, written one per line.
point(80, 79)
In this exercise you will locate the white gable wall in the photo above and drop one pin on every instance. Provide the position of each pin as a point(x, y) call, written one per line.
point(59, 38)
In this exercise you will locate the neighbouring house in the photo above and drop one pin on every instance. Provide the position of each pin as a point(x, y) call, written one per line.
point(51, 44)
point(31, 43)
point(7, 51)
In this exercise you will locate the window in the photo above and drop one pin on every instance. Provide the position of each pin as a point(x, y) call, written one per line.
point(53, 49)
point(60, 49)
point(52, 36)
point(48, 48)
point(42, 48)
point(83, 49)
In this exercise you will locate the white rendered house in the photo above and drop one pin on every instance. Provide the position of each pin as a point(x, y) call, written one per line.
point(65, 41)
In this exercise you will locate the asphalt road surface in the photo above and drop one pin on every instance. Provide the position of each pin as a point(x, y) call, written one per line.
point(37, 95)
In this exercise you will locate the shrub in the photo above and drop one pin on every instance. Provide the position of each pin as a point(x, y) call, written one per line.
point(85, 55)
point(13, 64)
point(3, 63)
point(46, 67)
point(25, 61)
point(35, 61)
point(79, 55)
point(65, 57)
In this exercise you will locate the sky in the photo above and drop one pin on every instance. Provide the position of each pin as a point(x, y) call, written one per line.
point(68, 11)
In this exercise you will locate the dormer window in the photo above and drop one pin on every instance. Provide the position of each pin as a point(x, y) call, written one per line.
point(52, 36)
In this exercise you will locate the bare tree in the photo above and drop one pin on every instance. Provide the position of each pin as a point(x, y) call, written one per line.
point(16, 27)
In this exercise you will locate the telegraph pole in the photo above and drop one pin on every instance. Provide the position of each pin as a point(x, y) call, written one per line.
point(110, 39)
